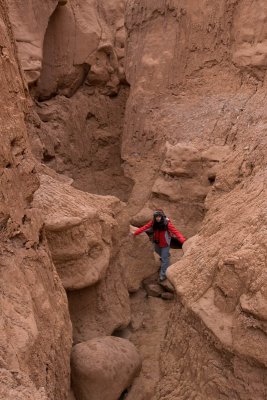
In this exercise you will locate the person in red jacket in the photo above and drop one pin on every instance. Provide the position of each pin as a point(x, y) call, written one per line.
point(163, 230)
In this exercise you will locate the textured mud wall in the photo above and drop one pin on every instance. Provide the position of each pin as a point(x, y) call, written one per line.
point(35, 324)
point(197, 76)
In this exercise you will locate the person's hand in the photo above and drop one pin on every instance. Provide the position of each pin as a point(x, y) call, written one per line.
point(131, 234)
point(184, 247)
point(189, 243)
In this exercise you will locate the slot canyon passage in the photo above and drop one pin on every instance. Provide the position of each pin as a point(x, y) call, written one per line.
point(110, 109)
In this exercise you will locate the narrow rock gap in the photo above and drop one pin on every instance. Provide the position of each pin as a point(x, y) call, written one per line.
point(94, 132)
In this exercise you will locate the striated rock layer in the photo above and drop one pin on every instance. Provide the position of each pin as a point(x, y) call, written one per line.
point(198, 87)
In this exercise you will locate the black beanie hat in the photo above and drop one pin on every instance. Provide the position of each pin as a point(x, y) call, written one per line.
point(158, 213)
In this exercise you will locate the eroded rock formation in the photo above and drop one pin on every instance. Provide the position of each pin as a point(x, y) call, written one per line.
point(83, 238)
point(192, 101)
point(62, 48)
point(80, 137)
point(59, 42)
point(202, 87)
point(35, 325)
point(79, 229)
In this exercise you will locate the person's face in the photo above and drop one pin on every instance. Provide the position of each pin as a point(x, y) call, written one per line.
point(158, 218)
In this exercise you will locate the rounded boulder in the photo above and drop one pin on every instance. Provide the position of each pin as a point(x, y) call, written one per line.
point(103, 368)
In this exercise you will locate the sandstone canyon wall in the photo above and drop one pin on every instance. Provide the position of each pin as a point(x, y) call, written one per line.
point(35, 324)
point(198, 87)
point(73, 231)
point(73, 56)
point(177, 121)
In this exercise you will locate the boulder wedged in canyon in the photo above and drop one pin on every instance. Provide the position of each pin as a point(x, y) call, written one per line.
point(103, 368)
point(35, 325)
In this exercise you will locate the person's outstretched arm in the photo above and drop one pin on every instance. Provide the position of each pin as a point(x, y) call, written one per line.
point(175, 232)
point(143, 228)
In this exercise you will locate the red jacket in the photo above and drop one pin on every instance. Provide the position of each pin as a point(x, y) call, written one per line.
point(162, 237)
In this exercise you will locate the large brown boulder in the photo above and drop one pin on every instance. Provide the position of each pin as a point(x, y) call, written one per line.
point(79, 228)
point(103, 368)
